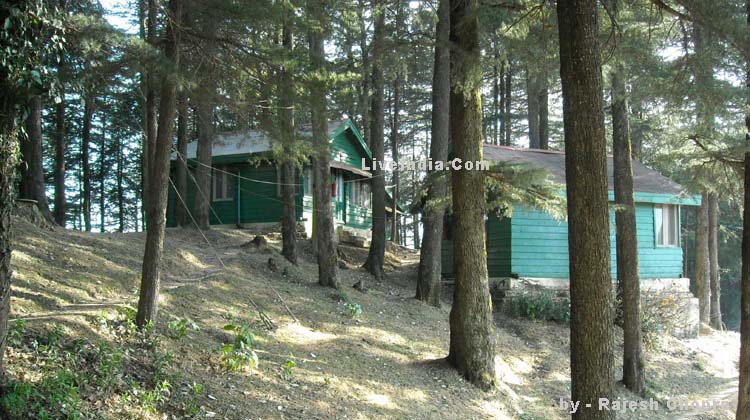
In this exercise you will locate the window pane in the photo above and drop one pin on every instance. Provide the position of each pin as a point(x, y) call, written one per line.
point(673, 225)
point(229, 181)
point(659, 224)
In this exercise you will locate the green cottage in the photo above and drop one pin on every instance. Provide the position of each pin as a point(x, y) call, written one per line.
point(245, 193)
point(532, 246)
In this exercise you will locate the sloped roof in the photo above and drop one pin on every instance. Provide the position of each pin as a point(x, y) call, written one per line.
point(645, 179)
point(247, 142)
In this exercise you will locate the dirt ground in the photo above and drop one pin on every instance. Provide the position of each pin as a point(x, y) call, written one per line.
point(383, 363)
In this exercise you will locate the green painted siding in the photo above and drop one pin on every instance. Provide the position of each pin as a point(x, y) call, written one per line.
point(344, 149)
point(539, 244)
point(533, 244)
point(256, 197)
point(498, 231)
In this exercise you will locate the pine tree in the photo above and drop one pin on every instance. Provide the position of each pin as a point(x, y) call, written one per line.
point(472, 346)
point(591, 311)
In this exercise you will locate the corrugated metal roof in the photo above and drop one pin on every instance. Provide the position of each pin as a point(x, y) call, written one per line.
point(645, 179)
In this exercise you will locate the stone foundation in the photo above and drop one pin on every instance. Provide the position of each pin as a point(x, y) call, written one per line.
point(668, 298)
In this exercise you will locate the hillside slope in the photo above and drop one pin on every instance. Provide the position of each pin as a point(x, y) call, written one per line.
point(318, 356)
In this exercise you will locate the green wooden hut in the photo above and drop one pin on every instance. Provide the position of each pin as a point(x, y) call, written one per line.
point(532, 244)
point(245, 192)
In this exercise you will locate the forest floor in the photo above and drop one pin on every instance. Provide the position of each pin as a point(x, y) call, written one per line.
point(321, 353)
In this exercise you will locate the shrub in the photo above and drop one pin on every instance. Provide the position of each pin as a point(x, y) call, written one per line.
point(240, 354)
point(661, 313)
point(541, 305)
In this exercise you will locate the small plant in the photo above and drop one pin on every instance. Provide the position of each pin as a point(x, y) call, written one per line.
point(287, 370)
point(178, 327)
point(15, 334)
point(353, 309)
point(541, 305)
point(240, 354)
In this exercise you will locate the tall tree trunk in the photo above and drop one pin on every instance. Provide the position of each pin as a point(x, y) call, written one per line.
point(702, 286)
point(32, 170)
point(625, 220)
point(591, 310)
point(205, 118)
point(149, 12)
point(120, 186)
point(324, 235)
point(429, 274)
point(376, 256)
point(8, 161)
point(288, 179)
point(102, 175)
point(364, 94)
point(743, 397)
point(157, 211)
point(472, 346)
point(532, 101)
point(60, 202)
point(88, 115)
point(508, 98)
point(180, 210)
point(544, 112)
point(394, 155)
point(496, 95)
point(713, 258)
point(500, 135)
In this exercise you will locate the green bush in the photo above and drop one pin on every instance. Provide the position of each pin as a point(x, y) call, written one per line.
point(240, 354)
point(541, 305)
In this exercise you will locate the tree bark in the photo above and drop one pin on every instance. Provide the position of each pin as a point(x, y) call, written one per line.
point(627, 242)
point(33, 186)
point(376, 255)
point(289, 216)
point(508, 99)
point(60, 202)
point(157, 210)
point(532, 102)
point(394, 155)
point(324, 234)
point(743, 397)
point(149, 13)
point(429, 274)
point(8, 161)
point(472, 346)
point(364, 95)
point(88, 115)
point(205, 117)
point(102, 175)
point(591, 310)
point(120, 186)
point(181, 178)
point(713, 258)
point(702, 286)
point(543, 112)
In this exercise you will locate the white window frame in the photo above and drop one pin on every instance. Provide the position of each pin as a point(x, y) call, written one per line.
point(668, 216)
point(226, 193)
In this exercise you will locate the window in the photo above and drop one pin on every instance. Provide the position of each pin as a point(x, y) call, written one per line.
point(279, 183)
point(667, 225)
point(308, 181)
point(223, 184)
point(360, 193)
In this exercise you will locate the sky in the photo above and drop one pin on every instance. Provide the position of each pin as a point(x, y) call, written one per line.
point(121, 14)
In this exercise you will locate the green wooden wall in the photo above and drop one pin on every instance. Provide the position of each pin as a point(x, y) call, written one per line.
point(533, 244)
point(257, 192)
